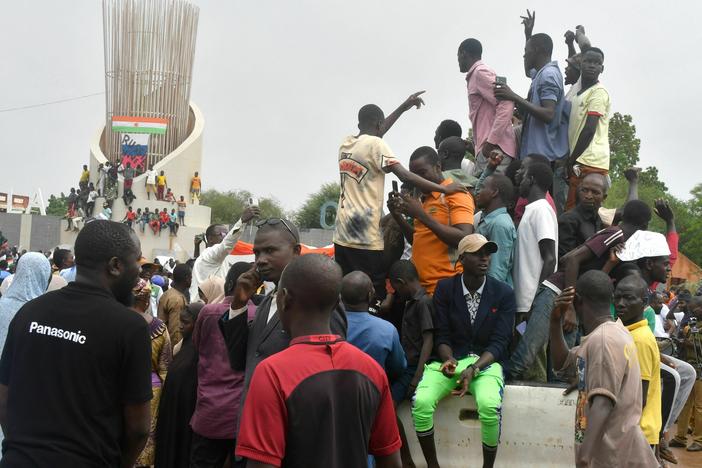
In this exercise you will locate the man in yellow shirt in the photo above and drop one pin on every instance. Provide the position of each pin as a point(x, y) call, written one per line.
point(630, 299)
point(440, 221)
point(588, 129)
point(84, 178)
point(161, 184)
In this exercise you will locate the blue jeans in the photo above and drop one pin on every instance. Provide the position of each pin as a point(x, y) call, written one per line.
point(535, 338)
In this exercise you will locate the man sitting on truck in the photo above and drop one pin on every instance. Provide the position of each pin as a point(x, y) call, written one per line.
point(474, 320)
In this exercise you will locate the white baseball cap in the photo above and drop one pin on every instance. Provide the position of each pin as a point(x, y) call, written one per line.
point(644, 244)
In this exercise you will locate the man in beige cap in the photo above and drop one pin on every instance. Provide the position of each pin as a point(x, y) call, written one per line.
point(474, 316)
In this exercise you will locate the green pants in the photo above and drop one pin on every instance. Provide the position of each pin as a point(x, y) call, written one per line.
point(487, 387)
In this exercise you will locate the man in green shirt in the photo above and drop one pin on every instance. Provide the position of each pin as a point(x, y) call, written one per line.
point(496, 224)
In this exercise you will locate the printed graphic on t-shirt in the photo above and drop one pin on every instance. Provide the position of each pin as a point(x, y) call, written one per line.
point(580, 418)
point(352, 168)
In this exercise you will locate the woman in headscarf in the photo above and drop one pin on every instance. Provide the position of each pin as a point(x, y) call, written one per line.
point(212, 290)
point(173, 433)
point(29, 282)
point(160, 360)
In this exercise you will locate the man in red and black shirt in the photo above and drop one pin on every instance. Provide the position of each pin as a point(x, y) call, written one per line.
point(320, 402)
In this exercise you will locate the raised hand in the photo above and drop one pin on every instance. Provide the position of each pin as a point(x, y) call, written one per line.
point(632, 173)
point(562, 303)
point(569, 37)
point(663, 210)
point(250, 213)
point(528, 22)
point(414, 100)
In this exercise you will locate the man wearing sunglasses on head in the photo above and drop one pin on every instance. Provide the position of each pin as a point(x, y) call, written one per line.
point(277, 243)
point(220, 241)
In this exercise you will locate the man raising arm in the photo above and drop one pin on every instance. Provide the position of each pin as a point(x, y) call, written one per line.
point(608, 410)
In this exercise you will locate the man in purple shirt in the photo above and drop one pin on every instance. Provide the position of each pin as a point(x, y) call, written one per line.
point(491, 119)
point(219, 388)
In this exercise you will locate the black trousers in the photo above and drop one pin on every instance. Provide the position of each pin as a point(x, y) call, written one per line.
point(369, 262)
point(211, 453)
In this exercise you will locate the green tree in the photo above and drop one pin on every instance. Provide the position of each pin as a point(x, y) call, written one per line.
point(649, 178)
point(57, 206)
point(227, 206)
point(689, 220)
point(623, 145)
point(308, 216)
point(624, 148)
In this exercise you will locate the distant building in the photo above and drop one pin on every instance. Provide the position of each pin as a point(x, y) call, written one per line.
point(19, 203)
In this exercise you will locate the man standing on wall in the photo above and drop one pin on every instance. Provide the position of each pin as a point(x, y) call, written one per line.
point(364, 159)
point(491, 119)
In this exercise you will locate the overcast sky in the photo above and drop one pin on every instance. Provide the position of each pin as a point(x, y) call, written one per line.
point(280, 82)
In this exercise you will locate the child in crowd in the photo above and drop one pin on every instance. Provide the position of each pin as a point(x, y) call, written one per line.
point(416, 337)
point(129, 218)
point(144, 219)
point(195, 187)
point(137, 219)
point(181, 210)
point(173, 222)
point(164, 218)
point(161, 184)
point(155, 222)
point(92, 196)
point(170, 197)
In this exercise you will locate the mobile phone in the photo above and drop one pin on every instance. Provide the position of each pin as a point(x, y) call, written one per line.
point(500, 80)
point(253, 201)
point(394, 186)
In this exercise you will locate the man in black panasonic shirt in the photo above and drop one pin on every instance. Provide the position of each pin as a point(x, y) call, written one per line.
point(75, 381)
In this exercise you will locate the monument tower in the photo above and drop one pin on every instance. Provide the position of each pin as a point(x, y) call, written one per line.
point(149, 118)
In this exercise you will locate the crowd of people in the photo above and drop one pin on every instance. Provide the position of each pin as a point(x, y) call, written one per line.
point(80, 203)
point(496, 262)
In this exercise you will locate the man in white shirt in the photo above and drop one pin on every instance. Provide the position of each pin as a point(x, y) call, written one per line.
point(220, 243)
point(537, 237)
point(92, 196)
point(151, 182)
point(663, 325)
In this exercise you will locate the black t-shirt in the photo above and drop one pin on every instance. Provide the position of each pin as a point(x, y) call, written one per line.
point(416, 320)
point(72, 360)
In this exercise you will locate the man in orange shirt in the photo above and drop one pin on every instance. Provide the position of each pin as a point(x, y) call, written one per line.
point(195, 187)
point(440, 221)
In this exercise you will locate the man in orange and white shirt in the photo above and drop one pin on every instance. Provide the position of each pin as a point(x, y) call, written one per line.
point(440, 221)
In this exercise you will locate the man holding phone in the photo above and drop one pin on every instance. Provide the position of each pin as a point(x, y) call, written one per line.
point(220, 240)
point(440, 221)
point(364, 159)
point(491, 119)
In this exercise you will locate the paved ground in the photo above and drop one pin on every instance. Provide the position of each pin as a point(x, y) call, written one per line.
point(685, 459)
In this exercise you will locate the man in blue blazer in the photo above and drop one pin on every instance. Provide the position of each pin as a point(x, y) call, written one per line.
point(474, 322)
